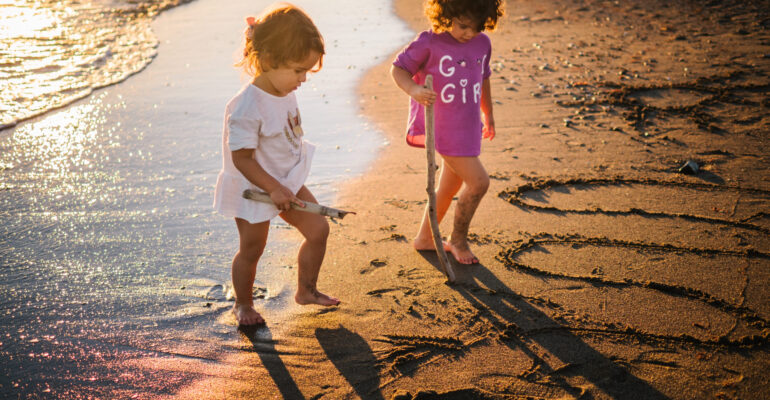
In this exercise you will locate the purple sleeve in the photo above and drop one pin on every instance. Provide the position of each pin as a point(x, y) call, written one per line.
point(414, 56)
point(487, 71)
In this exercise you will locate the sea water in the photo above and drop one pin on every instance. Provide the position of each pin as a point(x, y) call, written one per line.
point(110, 251)
point(55, 52)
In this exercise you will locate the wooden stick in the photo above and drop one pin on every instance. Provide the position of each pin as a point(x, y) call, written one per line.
point(430, 149)
point(309, 207)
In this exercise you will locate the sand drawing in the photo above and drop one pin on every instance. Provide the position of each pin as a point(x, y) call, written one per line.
point(514, 196)
point(703, 92)
point(509, 258)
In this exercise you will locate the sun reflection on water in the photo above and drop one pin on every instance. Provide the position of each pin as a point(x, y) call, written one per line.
point(55, 52)
point(19, 20)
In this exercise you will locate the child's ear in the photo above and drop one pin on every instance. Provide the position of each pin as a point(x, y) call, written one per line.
point(265, 62)
point(269, 62)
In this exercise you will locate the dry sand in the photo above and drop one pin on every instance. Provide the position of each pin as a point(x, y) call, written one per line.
point(605, 272)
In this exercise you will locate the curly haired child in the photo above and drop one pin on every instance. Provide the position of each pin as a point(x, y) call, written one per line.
point(456, 52)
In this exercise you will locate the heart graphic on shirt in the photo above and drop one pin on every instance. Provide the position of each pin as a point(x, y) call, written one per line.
point(463, 82)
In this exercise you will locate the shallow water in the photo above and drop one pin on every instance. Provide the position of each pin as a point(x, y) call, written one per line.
point(109, 249)
point(55, 52)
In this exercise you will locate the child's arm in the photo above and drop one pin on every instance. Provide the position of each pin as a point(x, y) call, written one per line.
point(281, 195)
point(486, 108)
point(404, 80)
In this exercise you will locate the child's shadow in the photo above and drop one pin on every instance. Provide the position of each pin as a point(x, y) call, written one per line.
point(353, 357)
point(262, 340)
point(607, 375)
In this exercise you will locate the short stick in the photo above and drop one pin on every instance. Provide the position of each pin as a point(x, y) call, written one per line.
point(309, 207)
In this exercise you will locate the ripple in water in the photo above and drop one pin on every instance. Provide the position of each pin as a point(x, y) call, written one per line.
point(55, 52)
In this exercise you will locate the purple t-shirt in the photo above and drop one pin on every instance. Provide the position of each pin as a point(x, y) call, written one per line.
point(458, 71)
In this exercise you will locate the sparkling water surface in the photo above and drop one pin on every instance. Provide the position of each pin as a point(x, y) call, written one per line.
point(55, 52)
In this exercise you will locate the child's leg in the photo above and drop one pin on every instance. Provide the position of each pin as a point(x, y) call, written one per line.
point(476, 180)
point(315, 229)
point(252, 242)
point(448, 186)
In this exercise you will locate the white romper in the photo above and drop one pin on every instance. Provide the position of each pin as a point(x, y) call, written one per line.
point(271, 125)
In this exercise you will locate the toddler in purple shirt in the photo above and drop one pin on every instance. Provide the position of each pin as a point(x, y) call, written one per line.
point(457, 54)
point(458, 70)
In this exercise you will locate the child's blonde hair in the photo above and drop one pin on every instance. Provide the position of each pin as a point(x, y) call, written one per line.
point(282, 33)
point(484, 12)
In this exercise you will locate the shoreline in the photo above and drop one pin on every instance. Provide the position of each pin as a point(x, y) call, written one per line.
point(144, 14)
point(109, 198)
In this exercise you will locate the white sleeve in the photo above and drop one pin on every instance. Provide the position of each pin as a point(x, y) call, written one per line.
point(243, 131)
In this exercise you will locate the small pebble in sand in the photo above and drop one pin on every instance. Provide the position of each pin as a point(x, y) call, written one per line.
point(690, 168)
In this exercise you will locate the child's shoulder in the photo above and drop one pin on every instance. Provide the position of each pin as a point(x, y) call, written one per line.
point(484, 39)
point(244, 103)
point(253, 100)
point(426, 36)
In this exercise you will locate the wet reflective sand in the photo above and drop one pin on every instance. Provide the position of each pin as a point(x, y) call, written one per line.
point(109, 249)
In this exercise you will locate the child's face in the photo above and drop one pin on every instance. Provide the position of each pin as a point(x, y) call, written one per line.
point(287, 78)
point(463, 29)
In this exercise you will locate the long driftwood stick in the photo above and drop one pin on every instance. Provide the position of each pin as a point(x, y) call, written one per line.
point(309, 207)
point(430, 149)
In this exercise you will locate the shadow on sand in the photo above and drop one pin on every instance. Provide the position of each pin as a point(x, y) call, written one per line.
point(262, 341)
point(606, 375)
point(353, 357)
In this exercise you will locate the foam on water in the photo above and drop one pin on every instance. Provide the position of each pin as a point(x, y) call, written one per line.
point(55, 52)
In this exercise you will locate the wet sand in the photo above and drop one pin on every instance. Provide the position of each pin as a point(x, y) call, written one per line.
point(606, 272)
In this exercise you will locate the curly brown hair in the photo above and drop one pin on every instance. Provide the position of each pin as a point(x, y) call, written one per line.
point(283, 33)
point(485, 12)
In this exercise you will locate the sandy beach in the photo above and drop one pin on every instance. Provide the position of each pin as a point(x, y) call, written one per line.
point(607, 271)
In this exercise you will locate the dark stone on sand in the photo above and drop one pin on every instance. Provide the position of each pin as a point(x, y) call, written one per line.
point(689, 168)
point(401, 395)
point(426, 395)
point(378, 262)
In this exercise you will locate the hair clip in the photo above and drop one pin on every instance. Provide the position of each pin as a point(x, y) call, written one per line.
point(251, 21)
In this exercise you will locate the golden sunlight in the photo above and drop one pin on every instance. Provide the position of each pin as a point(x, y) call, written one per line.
point(19, 20)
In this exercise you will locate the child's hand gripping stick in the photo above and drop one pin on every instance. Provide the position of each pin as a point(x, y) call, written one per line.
point(309, 207)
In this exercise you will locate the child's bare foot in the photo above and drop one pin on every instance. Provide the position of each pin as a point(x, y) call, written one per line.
point(246, 315)
point(421, 243)
point(315, 297)
point(428, 245)
point(462, 252)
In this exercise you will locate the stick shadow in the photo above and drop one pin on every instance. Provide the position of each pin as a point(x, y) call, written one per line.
point(353, 357)
point(262, 341)
point(611, 378)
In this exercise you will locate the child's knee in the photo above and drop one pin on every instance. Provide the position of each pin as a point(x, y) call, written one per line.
point(251, 254)
point(479, 186)
point(319, 232)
